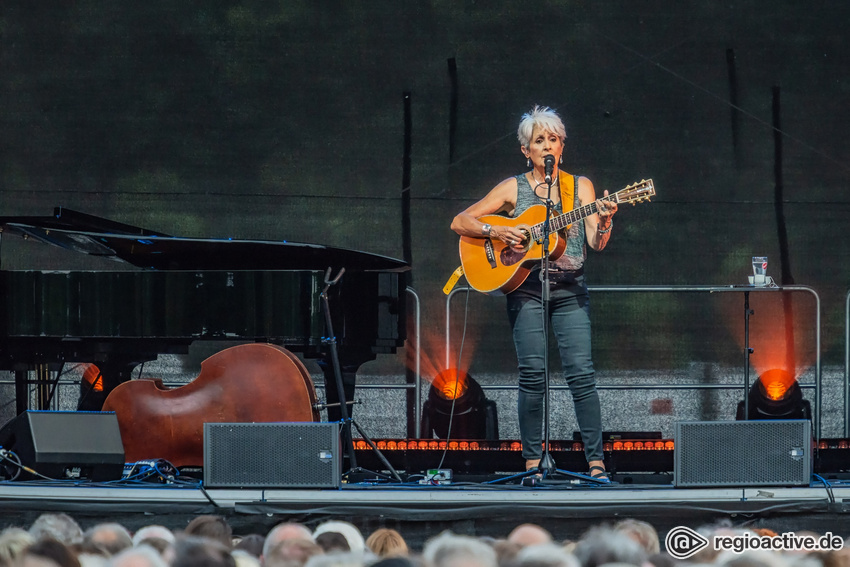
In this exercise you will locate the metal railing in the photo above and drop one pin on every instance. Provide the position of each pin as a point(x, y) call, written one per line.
point(696, 386)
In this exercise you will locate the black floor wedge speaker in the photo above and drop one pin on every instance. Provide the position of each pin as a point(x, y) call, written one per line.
point(743, 453)
point(272, 455)
point(64, 445)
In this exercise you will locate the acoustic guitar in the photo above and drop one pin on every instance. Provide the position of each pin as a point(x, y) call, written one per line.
point(494, 268)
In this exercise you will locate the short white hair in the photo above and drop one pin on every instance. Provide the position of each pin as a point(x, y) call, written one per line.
point(283, 531)
point(141, 554)
point(59, 526)
point(156, 531)
point(546, 554)
point(541, 116)
point(450, 550)
point(349, 531)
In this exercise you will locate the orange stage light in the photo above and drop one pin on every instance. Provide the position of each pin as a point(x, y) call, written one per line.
point(776, 383)
point(451, 384)
point(93, 378)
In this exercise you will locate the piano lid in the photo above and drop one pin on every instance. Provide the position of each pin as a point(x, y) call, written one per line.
point(89, 234)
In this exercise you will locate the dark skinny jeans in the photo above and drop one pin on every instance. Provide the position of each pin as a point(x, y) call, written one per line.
point(569, 314)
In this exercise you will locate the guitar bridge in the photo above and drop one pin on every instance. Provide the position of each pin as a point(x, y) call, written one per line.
point(490, 252)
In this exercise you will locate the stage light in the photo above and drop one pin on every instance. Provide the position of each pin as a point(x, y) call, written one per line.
point(93, 379)
point(776, 395)
point(454, 397)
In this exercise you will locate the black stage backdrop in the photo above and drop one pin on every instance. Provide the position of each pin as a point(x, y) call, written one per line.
point(285, 120)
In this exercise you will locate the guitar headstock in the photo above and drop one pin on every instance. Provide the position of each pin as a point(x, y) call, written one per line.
point(637, 192)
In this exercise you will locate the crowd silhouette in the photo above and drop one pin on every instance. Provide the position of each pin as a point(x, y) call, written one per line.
point(57, 540)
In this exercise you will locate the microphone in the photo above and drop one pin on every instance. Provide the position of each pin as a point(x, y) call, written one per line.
point(549, 167)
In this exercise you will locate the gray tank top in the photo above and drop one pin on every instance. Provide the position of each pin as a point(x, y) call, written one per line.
point(576, 252)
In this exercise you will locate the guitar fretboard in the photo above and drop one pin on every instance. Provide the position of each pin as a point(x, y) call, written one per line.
point(562, 221)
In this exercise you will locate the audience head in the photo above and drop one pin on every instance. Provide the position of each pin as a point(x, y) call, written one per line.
point(61, 527)
point(529, 534)
point(13, 542)
point(387, 542)
point(47, 552)
point(245, 559)
point(662, 559)
point(332, 542)
point(708, 553)
point(141, 556)
point(351, 559)
point(285, 531)
point(211, 527)
point(193, 551)
point(110, 537)
point(251, 543)
point(506, 551)
point(604, 545)
point(352, 535)
point(450, 550)
point(751, 558)
point(290, 553)
point(164, 548)
point(545, 555)
point(159, 532)
point(642, 532)
point(396, 561)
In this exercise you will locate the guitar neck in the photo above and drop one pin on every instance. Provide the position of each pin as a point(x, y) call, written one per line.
point(564, 220)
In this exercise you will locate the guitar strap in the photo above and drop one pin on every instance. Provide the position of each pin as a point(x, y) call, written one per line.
point(569, 188)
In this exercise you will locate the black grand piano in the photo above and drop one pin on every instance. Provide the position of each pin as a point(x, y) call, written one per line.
point(186, 290)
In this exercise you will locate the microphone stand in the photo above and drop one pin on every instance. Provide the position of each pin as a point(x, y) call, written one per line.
point(547, 463)
point(346, 421)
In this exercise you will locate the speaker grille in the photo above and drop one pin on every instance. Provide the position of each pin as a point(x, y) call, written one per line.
point(743, 453)
point(272, 455)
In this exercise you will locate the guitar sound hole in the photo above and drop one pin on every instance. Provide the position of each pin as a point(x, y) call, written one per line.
point(509, 256)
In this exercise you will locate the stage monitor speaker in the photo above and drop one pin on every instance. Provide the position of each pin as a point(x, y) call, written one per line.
point(272, 455)
point(743, 453)
point(64, 445)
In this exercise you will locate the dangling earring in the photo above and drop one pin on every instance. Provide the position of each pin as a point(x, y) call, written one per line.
point(562, 159)
point(529, 163)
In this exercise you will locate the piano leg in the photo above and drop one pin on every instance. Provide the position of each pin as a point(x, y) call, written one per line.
point(22, 391)
point(45, 386)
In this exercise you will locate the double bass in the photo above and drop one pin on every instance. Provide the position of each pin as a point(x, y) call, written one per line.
point(250, 383)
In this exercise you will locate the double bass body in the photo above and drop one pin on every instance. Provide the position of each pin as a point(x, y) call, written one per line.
point(251, 383)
